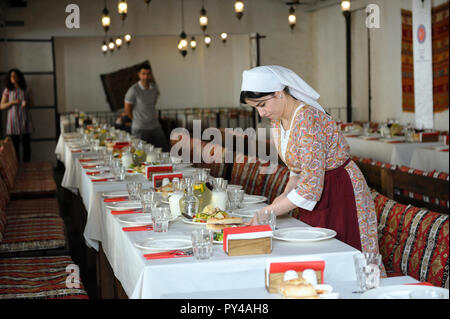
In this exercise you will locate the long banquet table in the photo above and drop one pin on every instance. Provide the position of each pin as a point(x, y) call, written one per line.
point(188, 277)
point(395, 151)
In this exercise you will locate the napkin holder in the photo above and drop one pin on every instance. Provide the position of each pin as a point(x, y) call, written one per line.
point(157, 178)
point(160, 168)
point(247, 240)
point(275, 269)
point(428, 136)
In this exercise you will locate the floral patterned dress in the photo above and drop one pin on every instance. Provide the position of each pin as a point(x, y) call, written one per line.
point(331, 190)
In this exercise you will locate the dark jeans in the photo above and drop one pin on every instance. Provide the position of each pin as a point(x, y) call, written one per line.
point(26, 146)
point(155, 137)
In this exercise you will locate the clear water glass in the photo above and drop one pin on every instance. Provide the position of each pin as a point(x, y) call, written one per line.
point(202, 243)
point(267, 217)
point(368, 269)
point(121, 173)
point(134, 190)
point(161, 217)
point(235, 197)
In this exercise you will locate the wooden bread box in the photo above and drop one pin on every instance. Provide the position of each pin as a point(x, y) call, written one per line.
point(273, 286)
point(248, 240)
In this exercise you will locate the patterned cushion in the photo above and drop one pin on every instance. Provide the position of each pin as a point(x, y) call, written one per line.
point(275, 183)
point(2, 223)
point(24, 234)
point(36, 166)
point(11, 153)
point(8, 170)
point(421, 197)
point(246, 172)
point(33, 208)
point(4, 194)
point(39, 277)
point(413, 241)
point(43, 186)
point(372, 162)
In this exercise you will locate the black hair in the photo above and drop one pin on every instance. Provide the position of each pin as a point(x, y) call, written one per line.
point(257, 95)
point(145, 66)
point(22, 83)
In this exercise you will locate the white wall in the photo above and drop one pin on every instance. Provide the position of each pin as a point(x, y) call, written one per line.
point(330, 67)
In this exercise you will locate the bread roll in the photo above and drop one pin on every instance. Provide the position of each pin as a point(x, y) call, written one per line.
point(227, 220)
point(298, 291)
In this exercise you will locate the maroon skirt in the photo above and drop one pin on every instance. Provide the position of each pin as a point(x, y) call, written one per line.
point(336, 208)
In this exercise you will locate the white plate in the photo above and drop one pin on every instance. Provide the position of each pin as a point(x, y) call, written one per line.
point(115, 194)
point(253, 199)
point(124, 205)
point(406, 292)
point(187, 221)
point(164, 243)
point(303, 234)
point(136, 220)
point(249, 211)
point(101, 176)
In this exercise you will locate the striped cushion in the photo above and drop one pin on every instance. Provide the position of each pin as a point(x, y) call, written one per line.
point(2, 223)
point(413, 241)
point(275, 183)
point(421, 197)
point(245, 172)
point(7, 169)
point(24, 234)
point(36, 166)
point(11, 153)
point(372, 162)
point(33, 208)
point(39, 277)
point(43, 186)
point(4, 194)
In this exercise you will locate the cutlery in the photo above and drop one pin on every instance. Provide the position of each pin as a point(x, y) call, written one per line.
point(187, 216)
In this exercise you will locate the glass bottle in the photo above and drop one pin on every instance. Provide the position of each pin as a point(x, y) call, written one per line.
point(219, 197)
point(189, 203)
point(202, 192)
point(127, 158)
point(174, 199)
point(139, 155)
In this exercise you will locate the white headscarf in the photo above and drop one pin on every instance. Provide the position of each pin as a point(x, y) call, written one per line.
point(272, 78)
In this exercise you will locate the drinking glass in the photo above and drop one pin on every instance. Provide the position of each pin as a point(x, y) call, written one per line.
point(235, 197)
point(150, 196)
point(161, 217)
point(267, 217)
point(121, 172)
point(115, 166)
point(202, 243)
point(134, 190)
point(367, 267)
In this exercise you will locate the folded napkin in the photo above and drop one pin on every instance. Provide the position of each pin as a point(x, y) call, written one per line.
point(138, 228)
point(93, 173)
point(165, 254)
point(115, 199)
point(395, 142)
point(87, 160)
point(89, 166)
point(421, 284)
point(444, 150)
point(123, 212)
point(77, 151)
point(102, 180)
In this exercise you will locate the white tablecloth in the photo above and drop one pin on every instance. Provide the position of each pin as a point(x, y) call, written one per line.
point(397, 154)
point(143, 278)
point(429, 158)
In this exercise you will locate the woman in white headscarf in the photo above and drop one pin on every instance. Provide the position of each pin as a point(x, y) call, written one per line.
point(325, 185)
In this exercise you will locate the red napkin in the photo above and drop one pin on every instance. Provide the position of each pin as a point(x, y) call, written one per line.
point(395, 142)
point(89, 166)
point(76, 151)
point(101, 180)
point(122, 212)
point(87, 160)
point(138, 228)
point(444, 150)
point(93, 173)
point(164, 254)
point(115, 199)
point(422, 284)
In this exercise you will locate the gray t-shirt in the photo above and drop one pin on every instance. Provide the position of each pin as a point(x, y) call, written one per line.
point(144, 101)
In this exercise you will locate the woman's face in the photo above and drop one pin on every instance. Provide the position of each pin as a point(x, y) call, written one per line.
point(14, 78)
point(270, 106)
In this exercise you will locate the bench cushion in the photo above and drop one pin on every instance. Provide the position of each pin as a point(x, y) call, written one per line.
point(413, 241)
point(33, 208)
point(246, 172)
point(28, 234)
point(38, 277)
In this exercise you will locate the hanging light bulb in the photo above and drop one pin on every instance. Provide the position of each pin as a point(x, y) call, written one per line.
point(224, 37)
point(193, 43)
point(111, 45)
point(207, 40)
point(345, 5)
point(104, 48)
point(118, 43)
point(127, 38)
point(239, 9)
point(292, 18)
point(106, 19)
point(122, 8)
point(183, 44)
point(203, 20)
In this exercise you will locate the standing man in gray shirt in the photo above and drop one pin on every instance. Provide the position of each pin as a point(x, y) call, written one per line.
point(140, 102)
